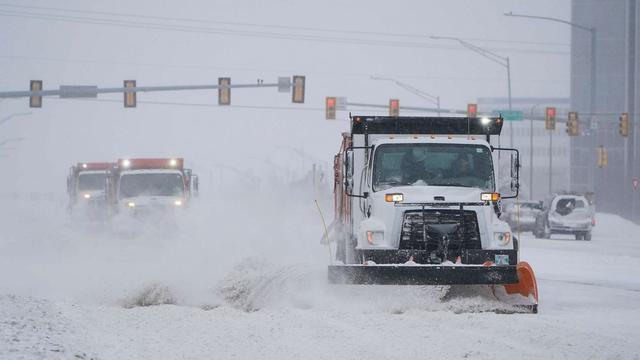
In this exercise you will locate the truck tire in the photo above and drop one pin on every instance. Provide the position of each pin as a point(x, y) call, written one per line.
point(587, 236)
point(579, 236)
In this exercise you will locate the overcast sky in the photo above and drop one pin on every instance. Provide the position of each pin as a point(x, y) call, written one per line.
point(341, 46)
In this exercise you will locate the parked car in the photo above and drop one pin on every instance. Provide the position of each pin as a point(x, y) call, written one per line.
point(522, 216)
point(566, 214)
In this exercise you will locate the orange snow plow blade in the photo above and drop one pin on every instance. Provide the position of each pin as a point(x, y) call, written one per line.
point(526, 285)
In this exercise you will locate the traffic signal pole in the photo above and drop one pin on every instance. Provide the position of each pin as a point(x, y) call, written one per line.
point(550, 161)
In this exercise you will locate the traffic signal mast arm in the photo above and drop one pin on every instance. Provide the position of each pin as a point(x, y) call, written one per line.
point(19, 94)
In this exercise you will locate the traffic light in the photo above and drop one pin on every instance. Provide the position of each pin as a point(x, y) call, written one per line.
point(394, 107)
point(624, 125)
point(130, 100)
point(472, 110)
point(550, 118)
point(224, 91)
point(603, 157)
point(297, 95)
point(573, 124)
point(330, 108)
point(35, 101)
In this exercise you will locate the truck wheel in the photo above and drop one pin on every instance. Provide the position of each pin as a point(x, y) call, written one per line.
point(587, 236)
point(579, 236)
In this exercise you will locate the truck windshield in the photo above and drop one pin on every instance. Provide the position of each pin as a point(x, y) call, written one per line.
point(151, 185)
point(433, 165)
point(89, 182)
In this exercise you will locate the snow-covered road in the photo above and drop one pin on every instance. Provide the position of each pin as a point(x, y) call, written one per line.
point(74, 298)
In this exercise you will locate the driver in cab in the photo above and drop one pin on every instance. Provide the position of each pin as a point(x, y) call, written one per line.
point(415, 169)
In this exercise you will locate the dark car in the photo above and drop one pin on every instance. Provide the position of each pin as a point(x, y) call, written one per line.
point(522, 216)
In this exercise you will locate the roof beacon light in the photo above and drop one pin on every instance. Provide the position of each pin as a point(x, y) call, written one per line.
point(173, 162)
point(126, 163)
point(84, 166)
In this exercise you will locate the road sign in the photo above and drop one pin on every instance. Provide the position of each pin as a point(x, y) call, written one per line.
point(635, 183)
point(78, 91)
point(509, 115)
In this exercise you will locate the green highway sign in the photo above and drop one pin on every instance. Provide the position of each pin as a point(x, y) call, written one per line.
point(509, 115)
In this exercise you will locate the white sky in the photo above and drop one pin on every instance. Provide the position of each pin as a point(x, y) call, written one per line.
point(66, 131)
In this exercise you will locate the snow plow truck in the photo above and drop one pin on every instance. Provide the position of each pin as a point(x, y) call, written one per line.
point(416, 204)
point(86, 187)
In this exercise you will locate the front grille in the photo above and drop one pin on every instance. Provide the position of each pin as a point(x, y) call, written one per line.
point(466, 237)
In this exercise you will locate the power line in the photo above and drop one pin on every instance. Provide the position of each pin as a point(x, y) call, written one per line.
point(263, 25)
point(324, 73)
point(246, 33)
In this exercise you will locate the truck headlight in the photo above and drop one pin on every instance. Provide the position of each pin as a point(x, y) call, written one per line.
point(177, 203)
point(131, 204)
point(87, 196)
point(502, 238)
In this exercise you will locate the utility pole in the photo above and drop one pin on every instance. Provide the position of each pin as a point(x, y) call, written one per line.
point(551, 161)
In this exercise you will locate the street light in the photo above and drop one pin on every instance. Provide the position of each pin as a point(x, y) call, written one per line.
point(592, 94)
point(431, 98)
point(499, 59)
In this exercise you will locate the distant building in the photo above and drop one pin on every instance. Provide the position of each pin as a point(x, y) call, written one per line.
point(617, 65)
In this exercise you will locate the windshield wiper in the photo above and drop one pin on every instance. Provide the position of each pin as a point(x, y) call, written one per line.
point(450, 184)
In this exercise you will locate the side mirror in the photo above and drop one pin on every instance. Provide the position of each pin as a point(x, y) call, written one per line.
point(195, 185)
point(512, 182)
point(515, 164)
point(107, 188)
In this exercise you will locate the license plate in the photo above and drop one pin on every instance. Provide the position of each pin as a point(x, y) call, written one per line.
point(502, 260)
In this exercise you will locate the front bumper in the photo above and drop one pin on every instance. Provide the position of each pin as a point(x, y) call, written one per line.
point(422, 274)
point(467, 256)
point(569, 229)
